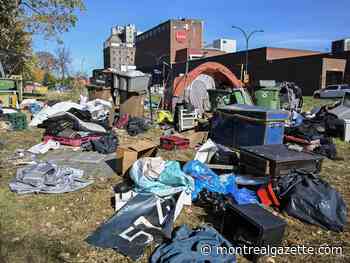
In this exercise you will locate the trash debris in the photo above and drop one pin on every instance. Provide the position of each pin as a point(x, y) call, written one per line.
point(164, 117)
point(246, 125)
point(188, 246)
point(44, 147)
point(137, 125)
point(307, 197)
point(254, 226)
point(262, 160)
point(123, 193)
point(205, 178)
point(127, 154)
point(171, 143)
point(44, 177)
point(153, 175)
point(106, 144)
point(144, 219)
point(206, 152)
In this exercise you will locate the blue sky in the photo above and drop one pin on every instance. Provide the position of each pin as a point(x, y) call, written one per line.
point(304, 24)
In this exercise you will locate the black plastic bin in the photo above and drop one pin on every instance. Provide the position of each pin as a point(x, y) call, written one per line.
point(277, 160)
point(252, 225)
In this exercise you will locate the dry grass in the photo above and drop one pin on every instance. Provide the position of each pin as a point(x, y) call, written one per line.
point(52, 228)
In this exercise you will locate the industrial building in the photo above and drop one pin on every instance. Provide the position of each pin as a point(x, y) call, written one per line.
point(119, 48)
point(225, 45)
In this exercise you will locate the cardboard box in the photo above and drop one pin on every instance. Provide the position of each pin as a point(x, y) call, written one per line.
point(132, 103)
point(129, 153)
point(195, 137)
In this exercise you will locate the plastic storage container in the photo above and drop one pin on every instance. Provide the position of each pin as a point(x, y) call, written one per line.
point(246, 125)
point(268, 98)
point(18, 120)
point(240, 96)
point(219, 98)
point(131, 83)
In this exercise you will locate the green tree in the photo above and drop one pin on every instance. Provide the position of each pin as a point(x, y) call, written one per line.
point(49, 17)
point(15, 43)
point(19, 19)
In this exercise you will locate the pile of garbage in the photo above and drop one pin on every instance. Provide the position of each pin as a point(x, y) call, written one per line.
point(82, 125)
point(246, 158)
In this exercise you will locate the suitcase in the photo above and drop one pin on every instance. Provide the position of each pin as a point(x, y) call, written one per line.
point(174, 143)
point(276, 160)
point(252, 225)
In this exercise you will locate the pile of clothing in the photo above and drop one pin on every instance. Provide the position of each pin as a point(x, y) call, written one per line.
point(317, 130)
point(199, 245)
point(133, 125)
point(87, 122)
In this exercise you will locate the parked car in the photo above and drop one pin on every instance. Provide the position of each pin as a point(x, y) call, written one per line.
point(332, 91)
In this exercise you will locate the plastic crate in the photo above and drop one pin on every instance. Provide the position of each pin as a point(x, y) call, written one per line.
point(174, 143)
point(75, 142)
point(18, 120)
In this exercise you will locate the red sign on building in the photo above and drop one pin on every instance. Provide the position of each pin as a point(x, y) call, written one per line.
point(181, 36)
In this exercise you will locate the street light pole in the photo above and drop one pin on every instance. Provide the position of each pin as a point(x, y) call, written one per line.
point(247, 37)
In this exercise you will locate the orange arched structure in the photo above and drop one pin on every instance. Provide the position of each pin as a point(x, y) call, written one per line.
point(216, 70)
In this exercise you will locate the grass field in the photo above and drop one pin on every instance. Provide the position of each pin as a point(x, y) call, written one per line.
point(52, 228)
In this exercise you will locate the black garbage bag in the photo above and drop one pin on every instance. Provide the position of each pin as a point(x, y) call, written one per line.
point(310, 199)
point(327, 148)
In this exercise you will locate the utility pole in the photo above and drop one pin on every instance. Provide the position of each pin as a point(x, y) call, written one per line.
point(247, 37)
point(188, 58)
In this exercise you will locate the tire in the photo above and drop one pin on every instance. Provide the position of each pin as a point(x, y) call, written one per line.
point(317, 96)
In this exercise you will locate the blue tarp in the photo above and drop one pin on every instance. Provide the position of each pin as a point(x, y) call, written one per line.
point(205, 178)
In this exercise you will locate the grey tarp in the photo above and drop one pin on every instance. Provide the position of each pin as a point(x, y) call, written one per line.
point(45, 177)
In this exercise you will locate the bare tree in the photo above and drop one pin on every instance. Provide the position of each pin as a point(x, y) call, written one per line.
point(64, 61)
point(46, 61)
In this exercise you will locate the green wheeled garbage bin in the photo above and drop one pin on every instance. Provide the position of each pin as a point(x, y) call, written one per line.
point(268, 98)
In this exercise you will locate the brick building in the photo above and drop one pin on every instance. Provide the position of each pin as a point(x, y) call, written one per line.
point(119, 48)
point(163, 41)
point(309, 69)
